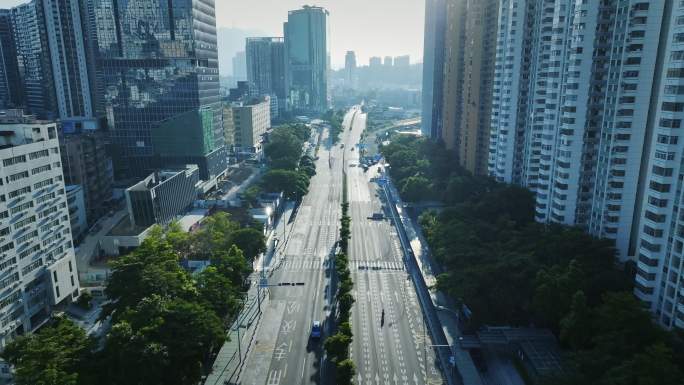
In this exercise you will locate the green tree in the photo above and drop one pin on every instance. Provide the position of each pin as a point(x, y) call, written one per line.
point(416, 188)
point(654, 366)
point(152, 268)
point(575, 327)
point(251, 241)
point(53, 356)
point(346, 370)
point(346, 300)
point(251, 195)
point(232, 264)
point(164, 341)
point(215, 235)
point(337, 347)
point(293, 184)
point(218, 292)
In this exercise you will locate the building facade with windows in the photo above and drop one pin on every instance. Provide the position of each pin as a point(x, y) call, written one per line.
point(306, 59)
point(159, 69)
point(469, 57)
point(10, 85)
point(162, 196)
point(433, 68)
point(37, 260)
point(598, 109)
point(251, 121)
point(266, 67)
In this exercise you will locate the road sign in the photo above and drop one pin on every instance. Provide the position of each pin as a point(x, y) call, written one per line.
point(263, 282)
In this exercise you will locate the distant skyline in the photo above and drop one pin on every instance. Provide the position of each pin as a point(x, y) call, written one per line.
point(369, 28)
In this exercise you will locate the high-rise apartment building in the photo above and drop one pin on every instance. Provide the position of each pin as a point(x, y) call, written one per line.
point(10, 85)
point(51, 51)
point(511, 91)
point(470, 50)
point(433, 68)
point(161, 90)
point(37, 258)
point(350, 68)
point(567, 122)
point(32, 49)
point(266, 67)
point(403, 61)
point(240, 65)
point(306, 53)
point(375, 62)
point(590, 123)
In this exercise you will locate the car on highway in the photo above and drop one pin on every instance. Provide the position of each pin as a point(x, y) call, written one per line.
point(316, 329)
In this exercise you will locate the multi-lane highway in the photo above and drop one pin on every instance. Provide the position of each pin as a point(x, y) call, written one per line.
point(284, 352)
point(395, 353)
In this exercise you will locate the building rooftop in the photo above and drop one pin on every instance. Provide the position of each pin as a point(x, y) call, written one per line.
point(159, 177)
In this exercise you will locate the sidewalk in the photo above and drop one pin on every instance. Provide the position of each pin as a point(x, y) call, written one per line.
point(443, 326)
point(230, 360)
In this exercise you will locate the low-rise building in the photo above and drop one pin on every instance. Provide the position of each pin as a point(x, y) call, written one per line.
point(251, 121)
point(37, 260)
point(162, 196)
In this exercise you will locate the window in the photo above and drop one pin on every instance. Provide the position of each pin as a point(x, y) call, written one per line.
point(14, 160)
point(21, 207)
point(666, 139)
point(17, 176)
point(662, 171)
point(47, 212)
point(45, 197)
point(38, 154)
point(658, 218)
point(660, 187)
point(674, 90)
point(673, 106)
point(40, 169)
point(671, 123)
point(32, 266)
point(54, 275)
point(27, 237)
point(29, 251)
point(42, 184)
point(21, 191)
point(9, 280)
point(24, 222)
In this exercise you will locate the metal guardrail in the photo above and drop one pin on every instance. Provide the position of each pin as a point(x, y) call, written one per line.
point(231, 370)
point(422, 290)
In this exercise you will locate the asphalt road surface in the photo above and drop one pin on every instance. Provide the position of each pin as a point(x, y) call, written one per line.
point(284, 352)
point(397, 352)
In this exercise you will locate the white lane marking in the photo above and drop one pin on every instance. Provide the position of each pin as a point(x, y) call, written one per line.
point(303, 365)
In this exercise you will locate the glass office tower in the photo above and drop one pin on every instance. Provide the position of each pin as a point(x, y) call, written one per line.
point(306, 53)
point(159, 68)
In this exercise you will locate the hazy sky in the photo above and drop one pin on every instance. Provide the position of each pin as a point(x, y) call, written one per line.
point(369, 27)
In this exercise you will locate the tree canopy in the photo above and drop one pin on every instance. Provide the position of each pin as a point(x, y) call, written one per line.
point(166, 322)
